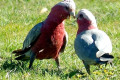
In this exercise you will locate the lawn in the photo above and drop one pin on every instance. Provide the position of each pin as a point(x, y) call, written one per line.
point(17, 17)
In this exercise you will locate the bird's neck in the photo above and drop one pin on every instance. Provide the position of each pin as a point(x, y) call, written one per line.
point(54, 20)
point(56, 17)
point(86, 25)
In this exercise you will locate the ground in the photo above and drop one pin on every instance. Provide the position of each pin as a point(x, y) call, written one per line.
point(17, 17)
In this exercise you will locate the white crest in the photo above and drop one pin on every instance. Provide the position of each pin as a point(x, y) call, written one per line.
point(87, 15)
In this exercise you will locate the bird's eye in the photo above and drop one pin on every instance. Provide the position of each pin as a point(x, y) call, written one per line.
point(81, 15)
point(66, 7)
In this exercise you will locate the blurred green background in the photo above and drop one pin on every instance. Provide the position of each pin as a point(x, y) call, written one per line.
point(17, 17)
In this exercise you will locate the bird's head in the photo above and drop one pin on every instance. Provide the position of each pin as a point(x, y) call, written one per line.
point(84, 16)
point(86, 20)
point(64, 9)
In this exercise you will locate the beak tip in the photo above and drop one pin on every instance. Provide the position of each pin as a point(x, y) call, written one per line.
point(72, 14)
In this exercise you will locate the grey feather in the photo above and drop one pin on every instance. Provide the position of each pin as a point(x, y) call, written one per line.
point(32, 35)
point(87, 67)
point(89, 42)
point(65, 41)
point(32, 58)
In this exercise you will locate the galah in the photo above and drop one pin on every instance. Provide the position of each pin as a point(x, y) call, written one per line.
point(47, 39)
point(93, 46)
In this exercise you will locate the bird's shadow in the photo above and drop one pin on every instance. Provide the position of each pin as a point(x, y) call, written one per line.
point(73, 73)
point(14, 65)
point(19, 66)
point(61, 74)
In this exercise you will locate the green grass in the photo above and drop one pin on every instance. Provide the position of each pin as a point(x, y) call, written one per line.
point(17, 17)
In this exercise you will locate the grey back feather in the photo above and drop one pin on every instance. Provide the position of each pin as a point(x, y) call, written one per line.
point(32, 35)
point(89, 42)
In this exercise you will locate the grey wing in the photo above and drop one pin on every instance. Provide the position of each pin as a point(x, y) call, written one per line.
point(103, 43)
point(32, 36)
point(85, 47)
point(92, 44)
point(65, 40)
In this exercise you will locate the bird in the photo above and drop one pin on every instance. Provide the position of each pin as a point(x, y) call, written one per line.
point(92, 46)
point(47, 39)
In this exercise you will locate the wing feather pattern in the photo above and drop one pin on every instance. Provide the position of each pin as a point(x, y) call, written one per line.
point(65, 40)
point(32, 36)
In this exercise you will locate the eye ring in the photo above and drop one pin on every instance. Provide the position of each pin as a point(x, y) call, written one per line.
point(81, 15)
point(66, 7)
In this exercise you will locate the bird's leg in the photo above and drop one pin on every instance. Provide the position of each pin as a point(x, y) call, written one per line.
point(106, 64)
point(87, 67)
point(57, 62)
point(32, 58)
point(111, 64)
point(11, 58)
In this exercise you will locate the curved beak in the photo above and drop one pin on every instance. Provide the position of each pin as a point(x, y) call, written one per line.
point(72, 13)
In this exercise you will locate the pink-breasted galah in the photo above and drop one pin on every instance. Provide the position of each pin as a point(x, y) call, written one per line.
point(47, 39)
point(92, 45)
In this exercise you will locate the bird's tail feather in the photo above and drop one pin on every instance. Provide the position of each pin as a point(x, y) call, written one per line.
point(22, 57)
point(106, 58)
point(18, 52)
